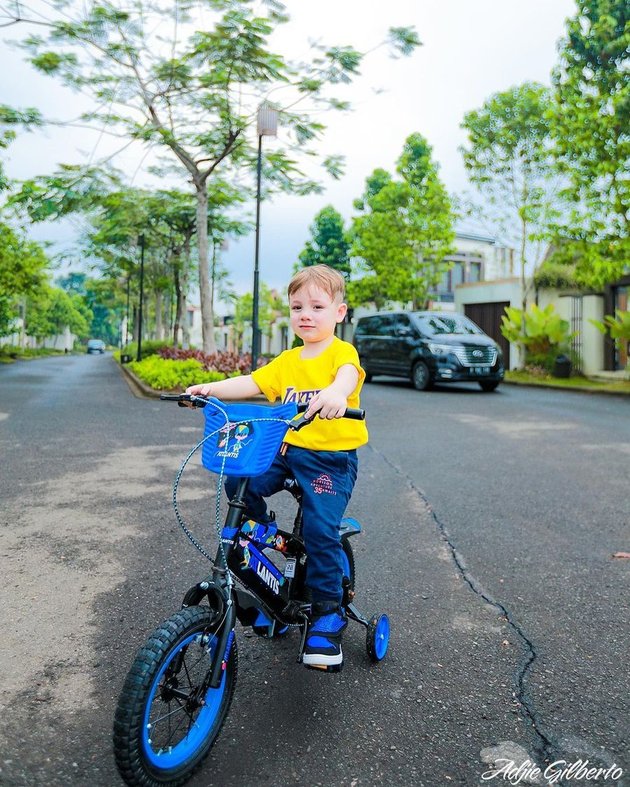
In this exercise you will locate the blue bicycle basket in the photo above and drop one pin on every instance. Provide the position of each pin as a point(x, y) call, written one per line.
point(243, 445)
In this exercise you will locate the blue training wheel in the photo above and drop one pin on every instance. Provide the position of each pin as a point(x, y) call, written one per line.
point(377, 638)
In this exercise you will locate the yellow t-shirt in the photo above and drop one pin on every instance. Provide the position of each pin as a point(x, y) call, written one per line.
point(295, 379)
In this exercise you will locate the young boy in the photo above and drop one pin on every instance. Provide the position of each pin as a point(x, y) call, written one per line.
point(326, 374)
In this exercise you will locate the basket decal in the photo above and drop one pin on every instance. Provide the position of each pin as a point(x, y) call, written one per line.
point(243, 439)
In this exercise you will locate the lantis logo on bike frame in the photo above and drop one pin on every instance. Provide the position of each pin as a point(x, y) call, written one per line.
point(267, 572)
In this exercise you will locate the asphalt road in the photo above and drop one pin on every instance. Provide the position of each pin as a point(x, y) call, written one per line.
point(490, 524)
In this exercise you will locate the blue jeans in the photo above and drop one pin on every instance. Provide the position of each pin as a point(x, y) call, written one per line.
point(327, 479)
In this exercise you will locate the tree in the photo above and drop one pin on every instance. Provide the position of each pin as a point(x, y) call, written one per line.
point(22, 272)
point(590, 127)
point(406, 231)
point(329, 245)
point(104, 299)
point(118, 216)
point(9, 119)
point(244, 308)
point(50, 310)
point(509, 160)
point(195, 94)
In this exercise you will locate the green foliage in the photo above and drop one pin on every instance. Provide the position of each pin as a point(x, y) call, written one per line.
point(556, 274)
point(268, 308)
point(590, 125)
point(149, 347)
point(617, 327)
point(50, 310)
point(329, 245)
point(228, 363)
point(117, 217)
point(542, 332)
point(195, 95)
point(405, 233)
point(11, 352)
point(10, 118)
point(167, 375)
point(22, 273)
point(509, 160)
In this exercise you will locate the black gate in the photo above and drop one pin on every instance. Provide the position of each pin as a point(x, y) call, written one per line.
point(576, 328)
point(488, 318)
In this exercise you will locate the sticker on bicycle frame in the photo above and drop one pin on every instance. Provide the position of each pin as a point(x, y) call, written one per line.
point(256, 561)
point(289, 569)
point(233, 437)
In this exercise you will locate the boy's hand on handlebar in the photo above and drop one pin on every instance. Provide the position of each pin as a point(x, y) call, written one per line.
point(328, 403)
point(203, 389)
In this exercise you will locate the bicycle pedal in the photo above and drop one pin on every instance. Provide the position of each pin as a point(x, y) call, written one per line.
point(325, 667)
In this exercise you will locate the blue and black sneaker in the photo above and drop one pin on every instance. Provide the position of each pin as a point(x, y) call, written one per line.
point(323, 641)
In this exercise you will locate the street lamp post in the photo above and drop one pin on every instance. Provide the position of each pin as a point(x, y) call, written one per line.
point(139, 354)
point(267, 126)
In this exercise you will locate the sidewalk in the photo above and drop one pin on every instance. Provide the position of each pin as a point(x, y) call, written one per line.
point(616, 383)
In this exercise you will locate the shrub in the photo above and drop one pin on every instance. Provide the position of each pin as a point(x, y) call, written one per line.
point(618, 327)
point(10, 352)
point(542, 332)
point(149, 347)
point(164, 374)
point(226, 362)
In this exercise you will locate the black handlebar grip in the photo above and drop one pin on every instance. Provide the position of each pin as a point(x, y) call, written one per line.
point(185, 400)
point(354, 413)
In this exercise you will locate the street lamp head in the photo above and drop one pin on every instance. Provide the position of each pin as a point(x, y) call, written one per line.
point(267, 120)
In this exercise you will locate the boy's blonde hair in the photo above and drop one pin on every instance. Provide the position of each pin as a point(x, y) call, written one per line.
point(322, 276)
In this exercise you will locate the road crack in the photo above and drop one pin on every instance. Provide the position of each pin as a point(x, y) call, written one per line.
point(544, 747)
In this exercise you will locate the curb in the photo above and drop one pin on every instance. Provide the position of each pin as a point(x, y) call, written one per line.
point(143, 391)
point(572, 388)
point(138, 388)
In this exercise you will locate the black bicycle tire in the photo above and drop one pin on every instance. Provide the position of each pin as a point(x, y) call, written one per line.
point(130, 758)
point(349, 552)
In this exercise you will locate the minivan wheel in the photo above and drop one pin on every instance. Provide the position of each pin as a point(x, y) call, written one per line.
point(420, 376)
point(488, 385)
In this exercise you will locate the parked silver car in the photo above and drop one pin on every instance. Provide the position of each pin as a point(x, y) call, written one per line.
point(95, 346)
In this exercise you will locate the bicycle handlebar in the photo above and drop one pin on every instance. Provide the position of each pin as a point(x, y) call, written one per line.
point(189, 400)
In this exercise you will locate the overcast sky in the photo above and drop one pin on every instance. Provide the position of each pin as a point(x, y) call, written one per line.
point(471, 49)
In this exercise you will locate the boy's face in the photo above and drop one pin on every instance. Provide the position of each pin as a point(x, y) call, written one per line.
point(314, 313)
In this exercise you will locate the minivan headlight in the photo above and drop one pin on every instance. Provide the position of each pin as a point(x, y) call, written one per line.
point(440, 349)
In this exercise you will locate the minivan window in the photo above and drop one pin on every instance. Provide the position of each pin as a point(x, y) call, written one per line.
point(379, 325)
point(439, 324)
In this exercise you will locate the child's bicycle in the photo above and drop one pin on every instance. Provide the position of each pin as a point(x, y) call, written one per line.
point(178, 691)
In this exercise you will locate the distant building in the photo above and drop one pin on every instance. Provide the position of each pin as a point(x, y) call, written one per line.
point(478, 258)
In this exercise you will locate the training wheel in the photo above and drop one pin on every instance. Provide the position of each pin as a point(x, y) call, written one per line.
point(377, 637)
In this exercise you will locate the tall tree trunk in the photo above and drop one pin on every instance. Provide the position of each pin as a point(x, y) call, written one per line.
point(159, 314)
point(207, 315)
point(184, 292)
point(213, 273)
point(178, 302)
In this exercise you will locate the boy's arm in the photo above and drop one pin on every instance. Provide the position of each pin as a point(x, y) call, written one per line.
point(242, 387)
point(331, 402)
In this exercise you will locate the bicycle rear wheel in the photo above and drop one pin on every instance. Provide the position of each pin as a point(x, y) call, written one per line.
point(165, 724)
point(347, 556)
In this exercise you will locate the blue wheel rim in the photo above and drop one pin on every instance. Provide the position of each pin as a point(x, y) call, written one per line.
point(174, 756)
point(381, 637)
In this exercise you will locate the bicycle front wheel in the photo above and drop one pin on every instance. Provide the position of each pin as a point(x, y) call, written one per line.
point(166, 722)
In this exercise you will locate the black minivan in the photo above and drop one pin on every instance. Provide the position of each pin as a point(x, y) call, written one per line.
point(428, 347)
